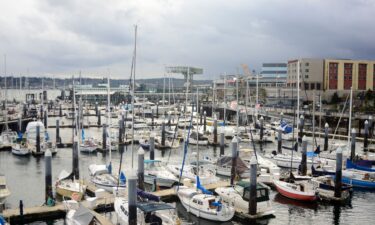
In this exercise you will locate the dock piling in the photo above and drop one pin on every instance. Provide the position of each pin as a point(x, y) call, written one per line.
point(152, 147)
point(99, 119)
point(338, 175)
point(352, 146)
point(234, 159)
point(48, 174)
point(163, 133)
point(96, 109)
point(261, 128)
point(19, 124)
point(326, 137)
point(222, 142)
point(45, 119)
point(104, 137)
point(58, 138)
point(75, 159)
point(60, 111)
point(141, 168)
point(38, 139)
point(365, 140)
point(204, 121)
point(200, 116)
point(279, 140)
point(215, 130)
point(301, 125)
point(132, 199)
point(253, 186)
point(304, 157)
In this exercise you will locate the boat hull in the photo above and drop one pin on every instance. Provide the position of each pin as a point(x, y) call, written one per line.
point(295, 195)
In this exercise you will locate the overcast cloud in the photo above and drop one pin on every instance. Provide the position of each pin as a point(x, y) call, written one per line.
point(59, 38)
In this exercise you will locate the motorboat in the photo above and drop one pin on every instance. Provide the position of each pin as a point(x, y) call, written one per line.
point(4, 191)
point(197, 138)
point(156, 174)
point(238, 196)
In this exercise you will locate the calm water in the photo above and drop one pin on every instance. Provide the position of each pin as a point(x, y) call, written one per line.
point(25, 178)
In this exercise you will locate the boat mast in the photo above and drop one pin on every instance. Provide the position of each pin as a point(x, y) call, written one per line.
point(350, 115)
point(133, 87)
point(6, 93)
point(298, 80)
point(109, 120)
point(237, 111)
point(225, 98)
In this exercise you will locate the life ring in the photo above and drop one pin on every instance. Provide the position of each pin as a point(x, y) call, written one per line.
point(75, 196)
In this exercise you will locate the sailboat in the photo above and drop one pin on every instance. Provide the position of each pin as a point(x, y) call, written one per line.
point(103, 178)
point(68, 185)
point(290, 187)
point(204, 204)
point(4, 191)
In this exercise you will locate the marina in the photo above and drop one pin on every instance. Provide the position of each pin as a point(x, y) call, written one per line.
point(187, 113)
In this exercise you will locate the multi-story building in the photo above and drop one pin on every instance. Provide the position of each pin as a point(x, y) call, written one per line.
point(310, 73)
point(274, 70)
point(342, 74)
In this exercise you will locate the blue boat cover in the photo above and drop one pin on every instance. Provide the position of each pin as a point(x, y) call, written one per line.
point(203, 189)
point(122, 178)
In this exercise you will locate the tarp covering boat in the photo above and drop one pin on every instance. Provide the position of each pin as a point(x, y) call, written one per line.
point(227, 161)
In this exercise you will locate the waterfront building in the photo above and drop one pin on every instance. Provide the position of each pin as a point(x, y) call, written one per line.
point(310, 73)
point(341, 74)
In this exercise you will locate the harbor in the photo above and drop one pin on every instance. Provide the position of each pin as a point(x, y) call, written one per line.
point(187, 112)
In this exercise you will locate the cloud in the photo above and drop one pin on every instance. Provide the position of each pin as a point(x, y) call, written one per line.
point(63, 37)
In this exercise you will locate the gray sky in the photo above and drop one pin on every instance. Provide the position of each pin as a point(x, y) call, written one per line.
point(59, 38)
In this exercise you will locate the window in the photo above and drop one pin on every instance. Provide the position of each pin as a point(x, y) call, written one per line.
point(318, 86)
point(306, 70)
point(306, 76)
point(307, 64)
point(312, 86)
point(306, 86)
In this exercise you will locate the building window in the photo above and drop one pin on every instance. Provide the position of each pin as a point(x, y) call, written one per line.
point(312, 86)
point(362, 76)
point(332, 75)
point(317, 86)
point(306, 70)
point(306, 86)
point(306, 76)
